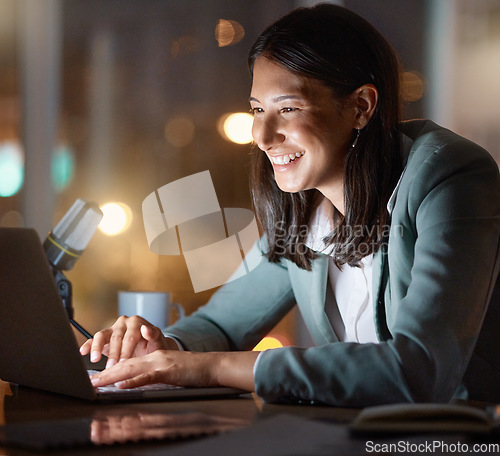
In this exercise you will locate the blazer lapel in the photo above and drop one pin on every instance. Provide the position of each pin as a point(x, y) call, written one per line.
point(310, 294)
point(318, 301)
point(380, 275)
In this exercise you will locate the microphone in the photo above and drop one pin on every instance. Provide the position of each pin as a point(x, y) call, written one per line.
point(66, 243)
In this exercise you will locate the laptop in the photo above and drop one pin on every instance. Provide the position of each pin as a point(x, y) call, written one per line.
point(38, 348)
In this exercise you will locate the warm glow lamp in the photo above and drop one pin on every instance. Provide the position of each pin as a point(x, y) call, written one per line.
point(237, 127)
point(117, 217)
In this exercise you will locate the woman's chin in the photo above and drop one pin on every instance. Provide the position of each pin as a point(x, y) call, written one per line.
point(289, 187)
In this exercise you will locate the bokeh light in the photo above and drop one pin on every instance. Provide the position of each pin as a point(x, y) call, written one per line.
point(11, 168)
point(179, 131)
point(116, 219)
point(270, 342)
point(185, 45)
point(228, 32)
point(12, 219)
point(62, 167)
point(413, 86)
point(237, 127)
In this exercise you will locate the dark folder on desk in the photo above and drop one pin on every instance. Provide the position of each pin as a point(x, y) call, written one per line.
point(37, 346)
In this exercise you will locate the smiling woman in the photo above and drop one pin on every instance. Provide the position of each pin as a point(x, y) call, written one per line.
point(349, 84)
point(369, 227)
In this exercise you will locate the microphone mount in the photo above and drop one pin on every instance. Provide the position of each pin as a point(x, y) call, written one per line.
point(65, 290)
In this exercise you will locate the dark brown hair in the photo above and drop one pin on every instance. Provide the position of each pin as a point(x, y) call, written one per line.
point(342, 50)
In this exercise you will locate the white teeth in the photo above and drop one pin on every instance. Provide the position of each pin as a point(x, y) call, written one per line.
point(285, 159)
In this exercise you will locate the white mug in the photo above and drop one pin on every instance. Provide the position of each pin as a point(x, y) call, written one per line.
point(153, 306)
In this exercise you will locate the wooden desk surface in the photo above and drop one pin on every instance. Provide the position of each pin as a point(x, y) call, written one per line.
point(27, 407)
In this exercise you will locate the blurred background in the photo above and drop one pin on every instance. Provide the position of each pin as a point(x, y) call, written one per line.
point(107, 100)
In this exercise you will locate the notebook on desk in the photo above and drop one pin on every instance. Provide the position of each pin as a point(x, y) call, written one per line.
point(38, 348)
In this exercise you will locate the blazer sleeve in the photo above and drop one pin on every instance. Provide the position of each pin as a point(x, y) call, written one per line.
point(241, 312)
point(448, 205)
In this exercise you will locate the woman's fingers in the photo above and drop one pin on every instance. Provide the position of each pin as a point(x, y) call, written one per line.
point(96, 345)
point(124, 373)
point(128, 337)
point(85, 348)
point(161, 366)
point(125, 338)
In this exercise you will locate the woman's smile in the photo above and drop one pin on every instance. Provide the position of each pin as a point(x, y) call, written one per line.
point(285, 159)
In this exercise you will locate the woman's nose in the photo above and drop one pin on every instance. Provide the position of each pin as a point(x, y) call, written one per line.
point(266, 133)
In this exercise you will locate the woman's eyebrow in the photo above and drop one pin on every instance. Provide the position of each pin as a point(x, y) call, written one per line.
point(278, 99)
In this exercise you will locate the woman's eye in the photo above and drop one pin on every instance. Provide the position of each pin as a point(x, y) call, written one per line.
point(285, 110)
point(256, 110)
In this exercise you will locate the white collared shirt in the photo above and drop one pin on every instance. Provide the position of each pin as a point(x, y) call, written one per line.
point(349, 295)
point(352, 295)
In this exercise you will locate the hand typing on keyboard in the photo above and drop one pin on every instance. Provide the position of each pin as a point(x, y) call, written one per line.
point(127, 338)
point(113, 387)
point(139, 354)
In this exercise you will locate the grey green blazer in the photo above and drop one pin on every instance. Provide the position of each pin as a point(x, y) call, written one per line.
point(432, 285)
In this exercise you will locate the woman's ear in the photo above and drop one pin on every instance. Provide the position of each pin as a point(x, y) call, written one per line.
point(365, 99)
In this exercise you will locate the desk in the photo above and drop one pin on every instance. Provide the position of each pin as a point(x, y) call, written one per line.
point(248, 412)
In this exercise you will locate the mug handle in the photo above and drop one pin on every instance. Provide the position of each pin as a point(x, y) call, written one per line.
point(180, 310)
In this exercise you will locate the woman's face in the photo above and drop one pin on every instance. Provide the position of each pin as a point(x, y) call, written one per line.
point(303, 131)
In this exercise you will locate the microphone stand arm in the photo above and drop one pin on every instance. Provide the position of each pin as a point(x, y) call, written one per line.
point(66, 293)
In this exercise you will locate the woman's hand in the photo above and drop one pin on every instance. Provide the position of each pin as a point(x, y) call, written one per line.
point(128, 337)
point(233, 369)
